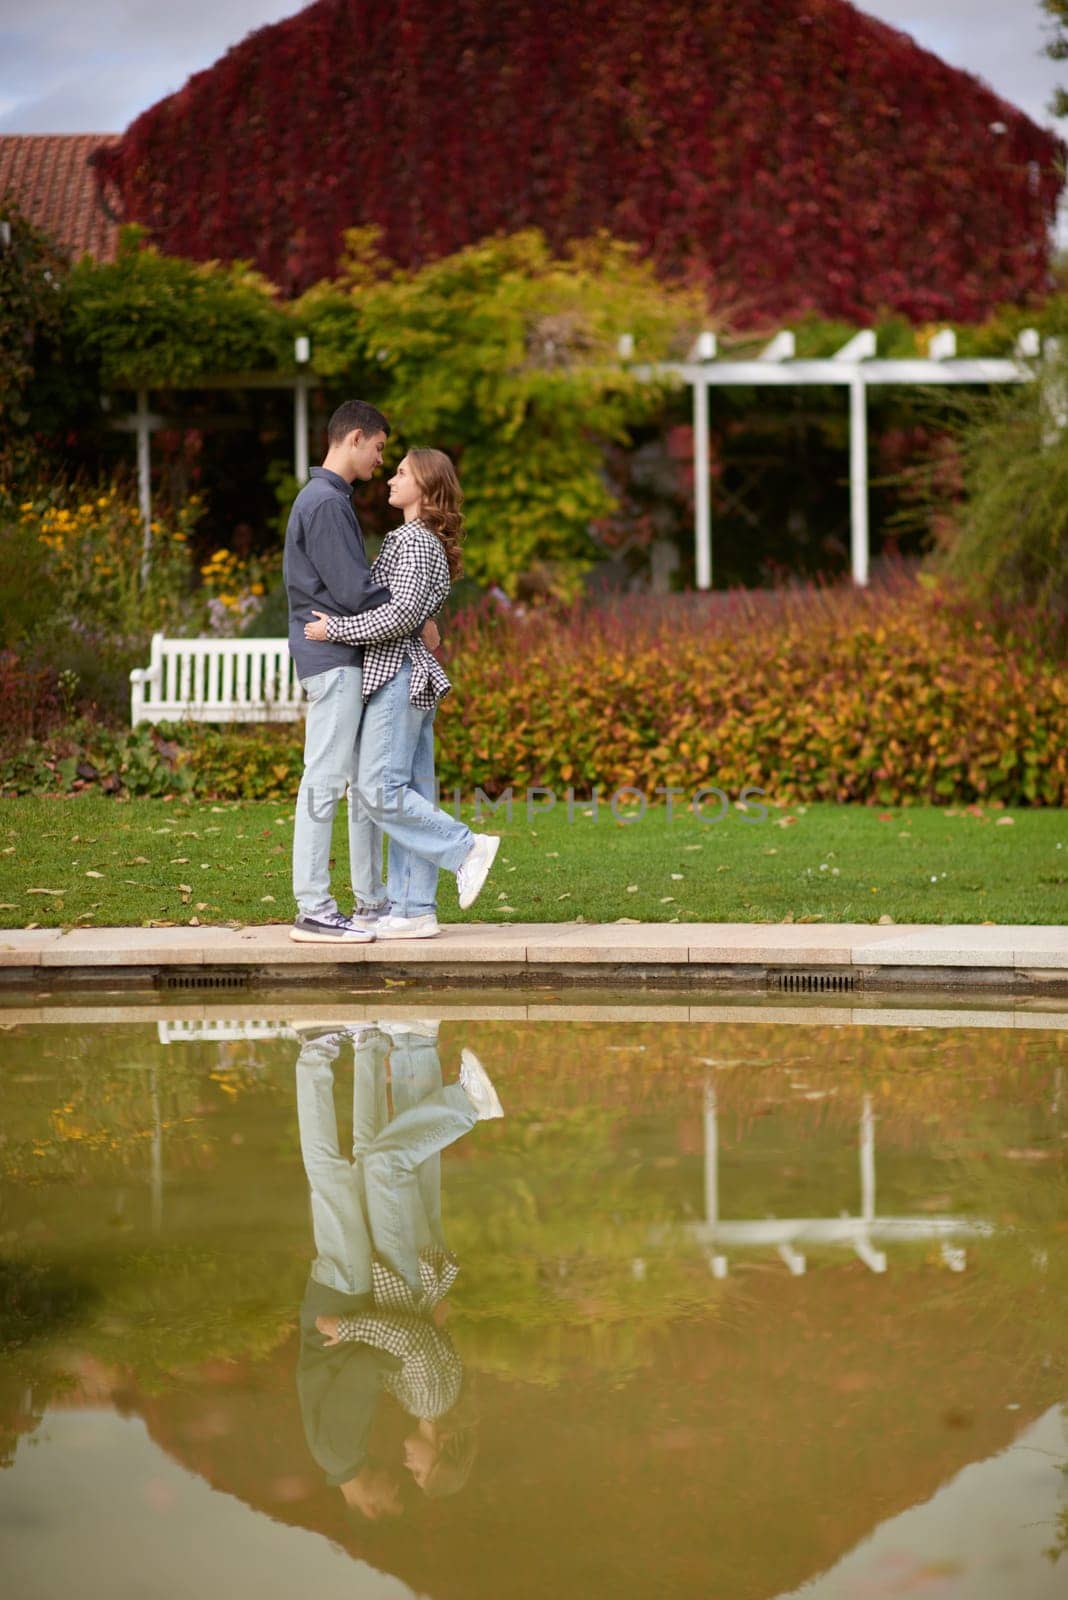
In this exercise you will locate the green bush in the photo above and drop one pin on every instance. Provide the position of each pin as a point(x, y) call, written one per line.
point(1005, 541)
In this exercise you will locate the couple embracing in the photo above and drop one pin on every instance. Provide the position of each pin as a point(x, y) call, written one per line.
point(361, 637)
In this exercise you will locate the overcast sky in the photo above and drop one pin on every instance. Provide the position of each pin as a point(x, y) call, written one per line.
point(90, 66)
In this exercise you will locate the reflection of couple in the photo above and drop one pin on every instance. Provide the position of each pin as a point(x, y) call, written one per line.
point(381, 1266)
point(359, 638)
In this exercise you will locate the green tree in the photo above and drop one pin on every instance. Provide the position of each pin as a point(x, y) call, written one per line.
point(33, 276)
point(508, 357)
point(149, 319)
point(1057, 49)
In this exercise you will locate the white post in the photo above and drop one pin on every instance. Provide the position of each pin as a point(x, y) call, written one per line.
point(711, 1158)
point(143, 422)
point(716, 1261)
point(302, 351)
point(157, 1155)
point(858, 478)
point(300, 430)
point(867, 1161)
point(872, 1258)
point(701, 502)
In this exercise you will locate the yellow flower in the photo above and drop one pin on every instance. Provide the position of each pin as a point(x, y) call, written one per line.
point(257, 588)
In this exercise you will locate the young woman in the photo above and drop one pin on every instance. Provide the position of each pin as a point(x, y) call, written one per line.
point(402, 685)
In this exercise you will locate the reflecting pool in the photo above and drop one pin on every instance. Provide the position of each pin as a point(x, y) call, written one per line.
point(723, 1305)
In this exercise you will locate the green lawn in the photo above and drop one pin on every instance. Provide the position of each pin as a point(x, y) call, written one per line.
point(110, 862)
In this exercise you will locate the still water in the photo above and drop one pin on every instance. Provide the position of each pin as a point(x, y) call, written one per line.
point(722, 1305)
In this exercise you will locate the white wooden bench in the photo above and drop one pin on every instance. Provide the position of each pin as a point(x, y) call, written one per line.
point(216, 680)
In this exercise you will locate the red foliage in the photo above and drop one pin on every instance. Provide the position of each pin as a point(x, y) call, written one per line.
point(794, 154)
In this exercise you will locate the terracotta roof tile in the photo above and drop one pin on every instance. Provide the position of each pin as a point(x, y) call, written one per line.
point(49, 177)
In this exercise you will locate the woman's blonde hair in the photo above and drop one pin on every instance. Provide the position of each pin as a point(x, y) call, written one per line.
point(441, 499)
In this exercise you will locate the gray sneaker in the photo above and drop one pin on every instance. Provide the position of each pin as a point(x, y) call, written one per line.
point(332, 928)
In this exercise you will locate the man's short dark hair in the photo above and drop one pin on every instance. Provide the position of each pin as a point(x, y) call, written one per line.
point(356, 414)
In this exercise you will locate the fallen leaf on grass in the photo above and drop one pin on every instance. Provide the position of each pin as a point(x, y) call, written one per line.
point(628, 922)
point(632, 888)
point(266, 898)
point(179, 861)
point(46, 891)
point(885, 921)
point(1027, 1154)
point(667, 899)
point(1005, 822)
point(94, 874)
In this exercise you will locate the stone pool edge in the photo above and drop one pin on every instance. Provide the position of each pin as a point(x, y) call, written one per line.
point(780, 957)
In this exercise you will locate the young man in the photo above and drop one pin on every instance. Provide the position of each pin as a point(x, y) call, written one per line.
point(325, 568)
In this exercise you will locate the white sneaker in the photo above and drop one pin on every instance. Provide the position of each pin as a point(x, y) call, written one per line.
point(473, 871)
point(476, 1085)
point(369, 916)
point(424, 927)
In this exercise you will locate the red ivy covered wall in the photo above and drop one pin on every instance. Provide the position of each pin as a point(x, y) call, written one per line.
point(794, 154)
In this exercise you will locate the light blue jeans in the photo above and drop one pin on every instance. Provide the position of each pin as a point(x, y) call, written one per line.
point(331, 734)
point(387, 1199)
point(395, 780)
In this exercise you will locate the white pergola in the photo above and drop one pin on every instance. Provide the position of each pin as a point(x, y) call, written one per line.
point(143, 423)
point(855, 367)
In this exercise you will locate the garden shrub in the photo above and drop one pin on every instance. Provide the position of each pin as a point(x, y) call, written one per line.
point(1005, 538)
point(890, 696)
point(880, 696)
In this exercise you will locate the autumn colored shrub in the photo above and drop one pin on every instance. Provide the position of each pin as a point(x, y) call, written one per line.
point(880, 696)
point(792, 153)
point(889, 696)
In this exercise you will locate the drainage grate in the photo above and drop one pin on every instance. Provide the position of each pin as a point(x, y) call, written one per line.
point(813, 982)
point(202, 980)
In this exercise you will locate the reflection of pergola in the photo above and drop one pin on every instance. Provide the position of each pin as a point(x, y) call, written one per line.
point(786, 1234)
point(853, 367)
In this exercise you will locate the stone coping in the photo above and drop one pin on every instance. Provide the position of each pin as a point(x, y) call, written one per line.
point(275, 1017)
point(1011, 948)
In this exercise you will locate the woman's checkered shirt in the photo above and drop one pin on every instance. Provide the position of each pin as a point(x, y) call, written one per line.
point(429, 1380)
point(412, 565)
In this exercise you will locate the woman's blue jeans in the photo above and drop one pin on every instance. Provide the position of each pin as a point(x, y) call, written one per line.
point(397, 793)
point(386, 1200)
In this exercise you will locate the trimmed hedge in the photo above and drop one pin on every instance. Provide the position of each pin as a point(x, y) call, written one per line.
point(886, 696)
